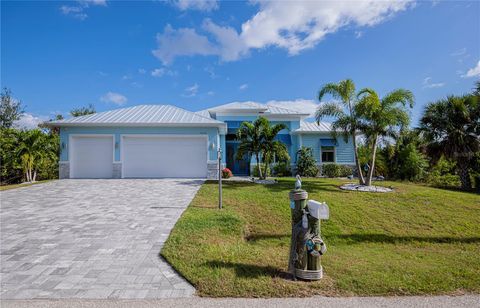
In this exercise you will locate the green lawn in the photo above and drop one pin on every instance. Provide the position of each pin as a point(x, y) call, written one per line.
point(417, 240)
point(13, 186)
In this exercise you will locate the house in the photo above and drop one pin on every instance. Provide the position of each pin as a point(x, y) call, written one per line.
point(151, 141)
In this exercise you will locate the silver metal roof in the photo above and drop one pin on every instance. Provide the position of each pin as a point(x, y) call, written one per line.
point(256, 107)
point(149, 115)
point(313, 127)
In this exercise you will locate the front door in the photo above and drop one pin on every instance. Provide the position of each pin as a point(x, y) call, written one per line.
point(238, 167)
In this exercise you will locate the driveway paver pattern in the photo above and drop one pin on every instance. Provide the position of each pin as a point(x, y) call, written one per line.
point(97, 239)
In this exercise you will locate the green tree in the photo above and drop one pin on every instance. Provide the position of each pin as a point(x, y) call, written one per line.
point(10, 165)
point(451, 127)
point(306, 164)
point(270, 146)
point(258, 139)
point(77, 112)
point(382, 118)
point(345, 114)
point(11, 109)
point(34, 148)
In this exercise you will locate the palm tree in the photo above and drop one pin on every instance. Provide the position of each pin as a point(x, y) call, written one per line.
point(382, 117)
point(451, 127)
point(272, 147)
point(250, 137)
point(34, 147)
point(345, 114)
point(258, 139)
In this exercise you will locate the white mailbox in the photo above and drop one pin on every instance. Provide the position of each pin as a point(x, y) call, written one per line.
point(319, 210)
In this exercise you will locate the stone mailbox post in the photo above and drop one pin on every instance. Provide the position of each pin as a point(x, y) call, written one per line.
point(306, 244)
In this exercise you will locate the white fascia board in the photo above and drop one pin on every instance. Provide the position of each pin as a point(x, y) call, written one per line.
point(78, 124)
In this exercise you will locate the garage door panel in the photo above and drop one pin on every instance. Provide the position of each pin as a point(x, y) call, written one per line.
point(162, 156)
point(91, 157)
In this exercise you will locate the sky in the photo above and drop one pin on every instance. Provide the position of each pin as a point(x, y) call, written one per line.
point(59, 55)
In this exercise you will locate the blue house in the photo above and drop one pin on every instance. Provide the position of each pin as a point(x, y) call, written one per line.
point(153, 141)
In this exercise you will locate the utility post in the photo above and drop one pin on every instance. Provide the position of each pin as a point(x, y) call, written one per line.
point(219, 151)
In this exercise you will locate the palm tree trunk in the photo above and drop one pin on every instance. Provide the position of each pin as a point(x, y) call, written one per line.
point(357, 161)
point(258, 166)
point(372, 165)
point(34, 176)
point(464, 176)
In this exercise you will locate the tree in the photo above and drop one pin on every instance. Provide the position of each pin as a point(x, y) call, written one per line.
point(34, 148)
point(250, 137)
point(451, 127)
point(270, 146)
point(11, 109)
point(382, 118)
point(306, 164)
point(77, 112)
point(345, 113)
point(258, 139)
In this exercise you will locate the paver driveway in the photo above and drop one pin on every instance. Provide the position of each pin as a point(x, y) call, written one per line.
point(91, 239)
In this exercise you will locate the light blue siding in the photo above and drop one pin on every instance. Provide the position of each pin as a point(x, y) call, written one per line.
point(343, 150)
point(65, 132)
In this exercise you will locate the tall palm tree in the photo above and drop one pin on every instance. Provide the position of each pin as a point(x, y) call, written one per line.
point(272, 147)
point(344, 112)
point(451, 127)
point(382, 117)
point(258, 139)
point(250, 137)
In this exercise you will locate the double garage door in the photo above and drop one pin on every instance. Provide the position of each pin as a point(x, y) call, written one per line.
point(144, 156)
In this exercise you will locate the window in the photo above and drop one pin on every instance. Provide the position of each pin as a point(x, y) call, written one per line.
point(328, 154)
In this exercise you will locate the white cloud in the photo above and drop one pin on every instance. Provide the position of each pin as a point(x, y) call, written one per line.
point(200, 5)
point(181, 42)
point(358, 34)
point(210, 93)
point(473, 72)
point(191, 91)
point(115, 98)
point(243, 87)
point(427, 83)
point(294, 26)
point(78, 10)
point(158, 72)
point(142, 71)
point(302, 105)
point(29, 121)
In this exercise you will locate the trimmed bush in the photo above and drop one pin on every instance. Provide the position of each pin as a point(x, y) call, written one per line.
point(226, 173)
point(331, 170)
point(282, 169)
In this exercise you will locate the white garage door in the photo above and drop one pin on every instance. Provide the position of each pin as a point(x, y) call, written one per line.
point(91, 157)
point(164, 156)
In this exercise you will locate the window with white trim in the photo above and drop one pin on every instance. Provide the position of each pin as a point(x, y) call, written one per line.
point(328, 154)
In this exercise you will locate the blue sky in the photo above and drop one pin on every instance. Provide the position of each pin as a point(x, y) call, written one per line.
point(195, 54)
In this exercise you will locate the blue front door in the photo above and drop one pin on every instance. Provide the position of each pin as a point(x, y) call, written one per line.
point(238, 167)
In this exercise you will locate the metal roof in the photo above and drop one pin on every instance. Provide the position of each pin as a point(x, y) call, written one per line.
point(313, 127)
point(143, 115)
point(256, 107)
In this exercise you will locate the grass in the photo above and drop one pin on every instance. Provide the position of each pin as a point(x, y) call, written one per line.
point(13, 186)
point(417, 240)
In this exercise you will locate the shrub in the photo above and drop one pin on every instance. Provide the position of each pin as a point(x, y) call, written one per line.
point(226, 173)
point(413, 164)
point(255, 172)
point(306, 164)
point(443, 174)
point(345, 171)
point(331, 170)
point(282, 169)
